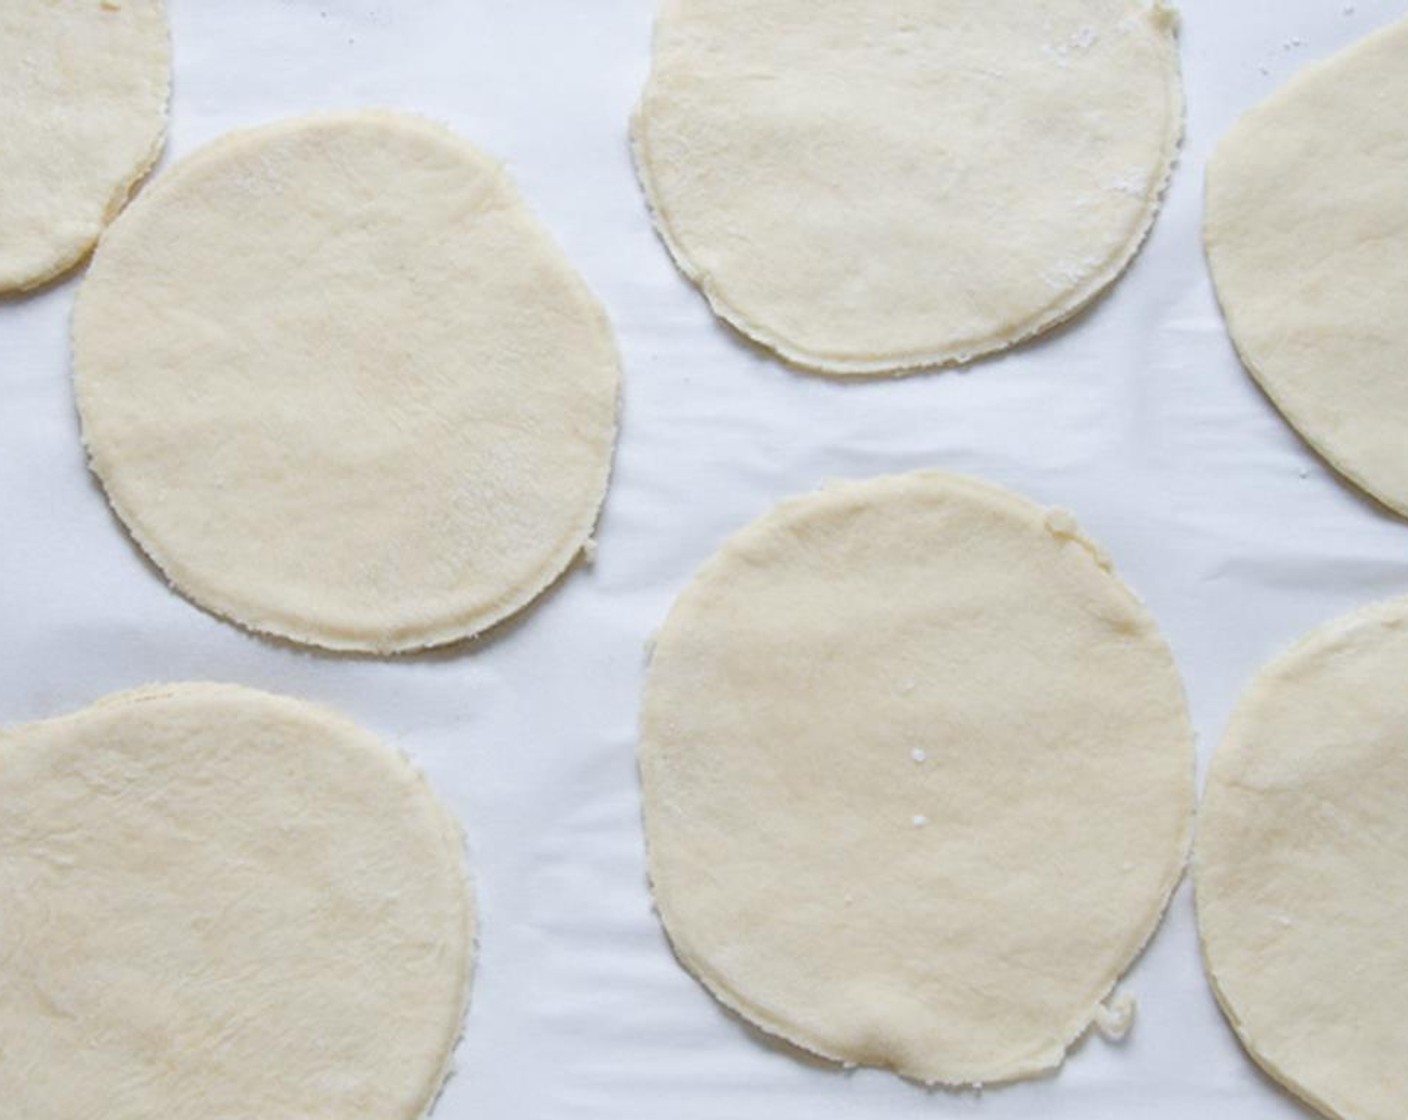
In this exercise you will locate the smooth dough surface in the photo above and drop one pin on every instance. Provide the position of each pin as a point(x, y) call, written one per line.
point(84, 86)
point(1307, 234)
point(879, 187)
point(224, 904)
point(1302, 867)
point(342, 387)
point(918, 778)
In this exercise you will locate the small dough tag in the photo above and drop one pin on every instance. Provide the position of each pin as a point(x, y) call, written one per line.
point(1115, 1017)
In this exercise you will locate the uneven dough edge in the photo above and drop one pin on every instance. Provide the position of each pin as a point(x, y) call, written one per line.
point(463, 626)
point(451, 832)
point(842, 367)
point(1310, 75)
point(66, 258)
point(1393, 612)
point(1059, 524)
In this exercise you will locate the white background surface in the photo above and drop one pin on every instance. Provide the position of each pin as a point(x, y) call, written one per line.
point(1138, 418)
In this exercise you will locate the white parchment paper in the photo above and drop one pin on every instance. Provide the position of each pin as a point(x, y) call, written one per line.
point(1137, 418)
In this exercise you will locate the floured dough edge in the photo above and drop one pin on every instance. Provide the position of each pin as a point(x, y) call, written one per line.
point(1069, 305)
point(1391, 613)
point(579, 546)
point(1110, 1003)
point(451, 832)
point(64, 262)
point(1306, 431)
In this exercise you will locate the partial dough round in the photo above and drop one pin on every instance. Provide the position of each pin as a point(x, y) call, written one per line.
point(1307, 235)
point(877, 187)
point(918, 778)
point(83, 92)
point(342, 387)
point(1302, 867)
point(221, 903)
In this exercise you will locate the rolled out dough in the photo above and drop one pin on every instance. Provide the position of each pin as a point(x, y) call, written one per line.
point(83, 93)
point(1302, 867)
point(342, 387)
point(918, 778)
point(873, 188)
point(224, 904)
point(1307, 235)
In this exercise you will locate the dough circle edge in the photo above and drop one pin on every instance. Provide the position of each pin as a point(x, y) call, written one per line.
point(64, 253)
point(1340, 454)
point(255, 617)
point(350, 736)
point(1112, 1009)
point(1256, 698)
point(1073, 303)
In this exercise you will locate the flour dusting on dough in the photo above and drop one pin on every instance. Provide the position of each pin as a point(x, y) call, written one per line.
point(892, 246)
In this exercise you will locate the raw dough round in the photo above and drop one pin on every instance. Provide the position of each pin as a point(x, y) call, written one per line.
point(918, 778)
point(1307, 235)
point(342, 387)
point(1302, 867)
point(83, 92)
point(221, 903)
point(878, 187)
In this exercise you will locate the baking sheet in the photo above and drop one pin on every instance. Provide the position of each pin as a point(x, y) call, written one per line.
point(1137, 418)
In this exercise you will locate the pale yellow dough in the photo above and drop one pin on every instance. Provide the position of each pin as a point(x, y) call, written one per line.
point(918, 778)
point(84, 86)
point(224, 904)
point(342, 387)
point(876, 187)
point(1302, 867)
point(1307, 236)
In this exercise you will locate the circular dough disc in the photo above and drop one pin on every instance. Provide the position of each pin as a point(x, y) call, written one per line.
point(224, 903)
point(1307, 235)
point(83, 93)
point(878, 187)
point(342, 387)
point(1302, 867)
point(918, 778)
